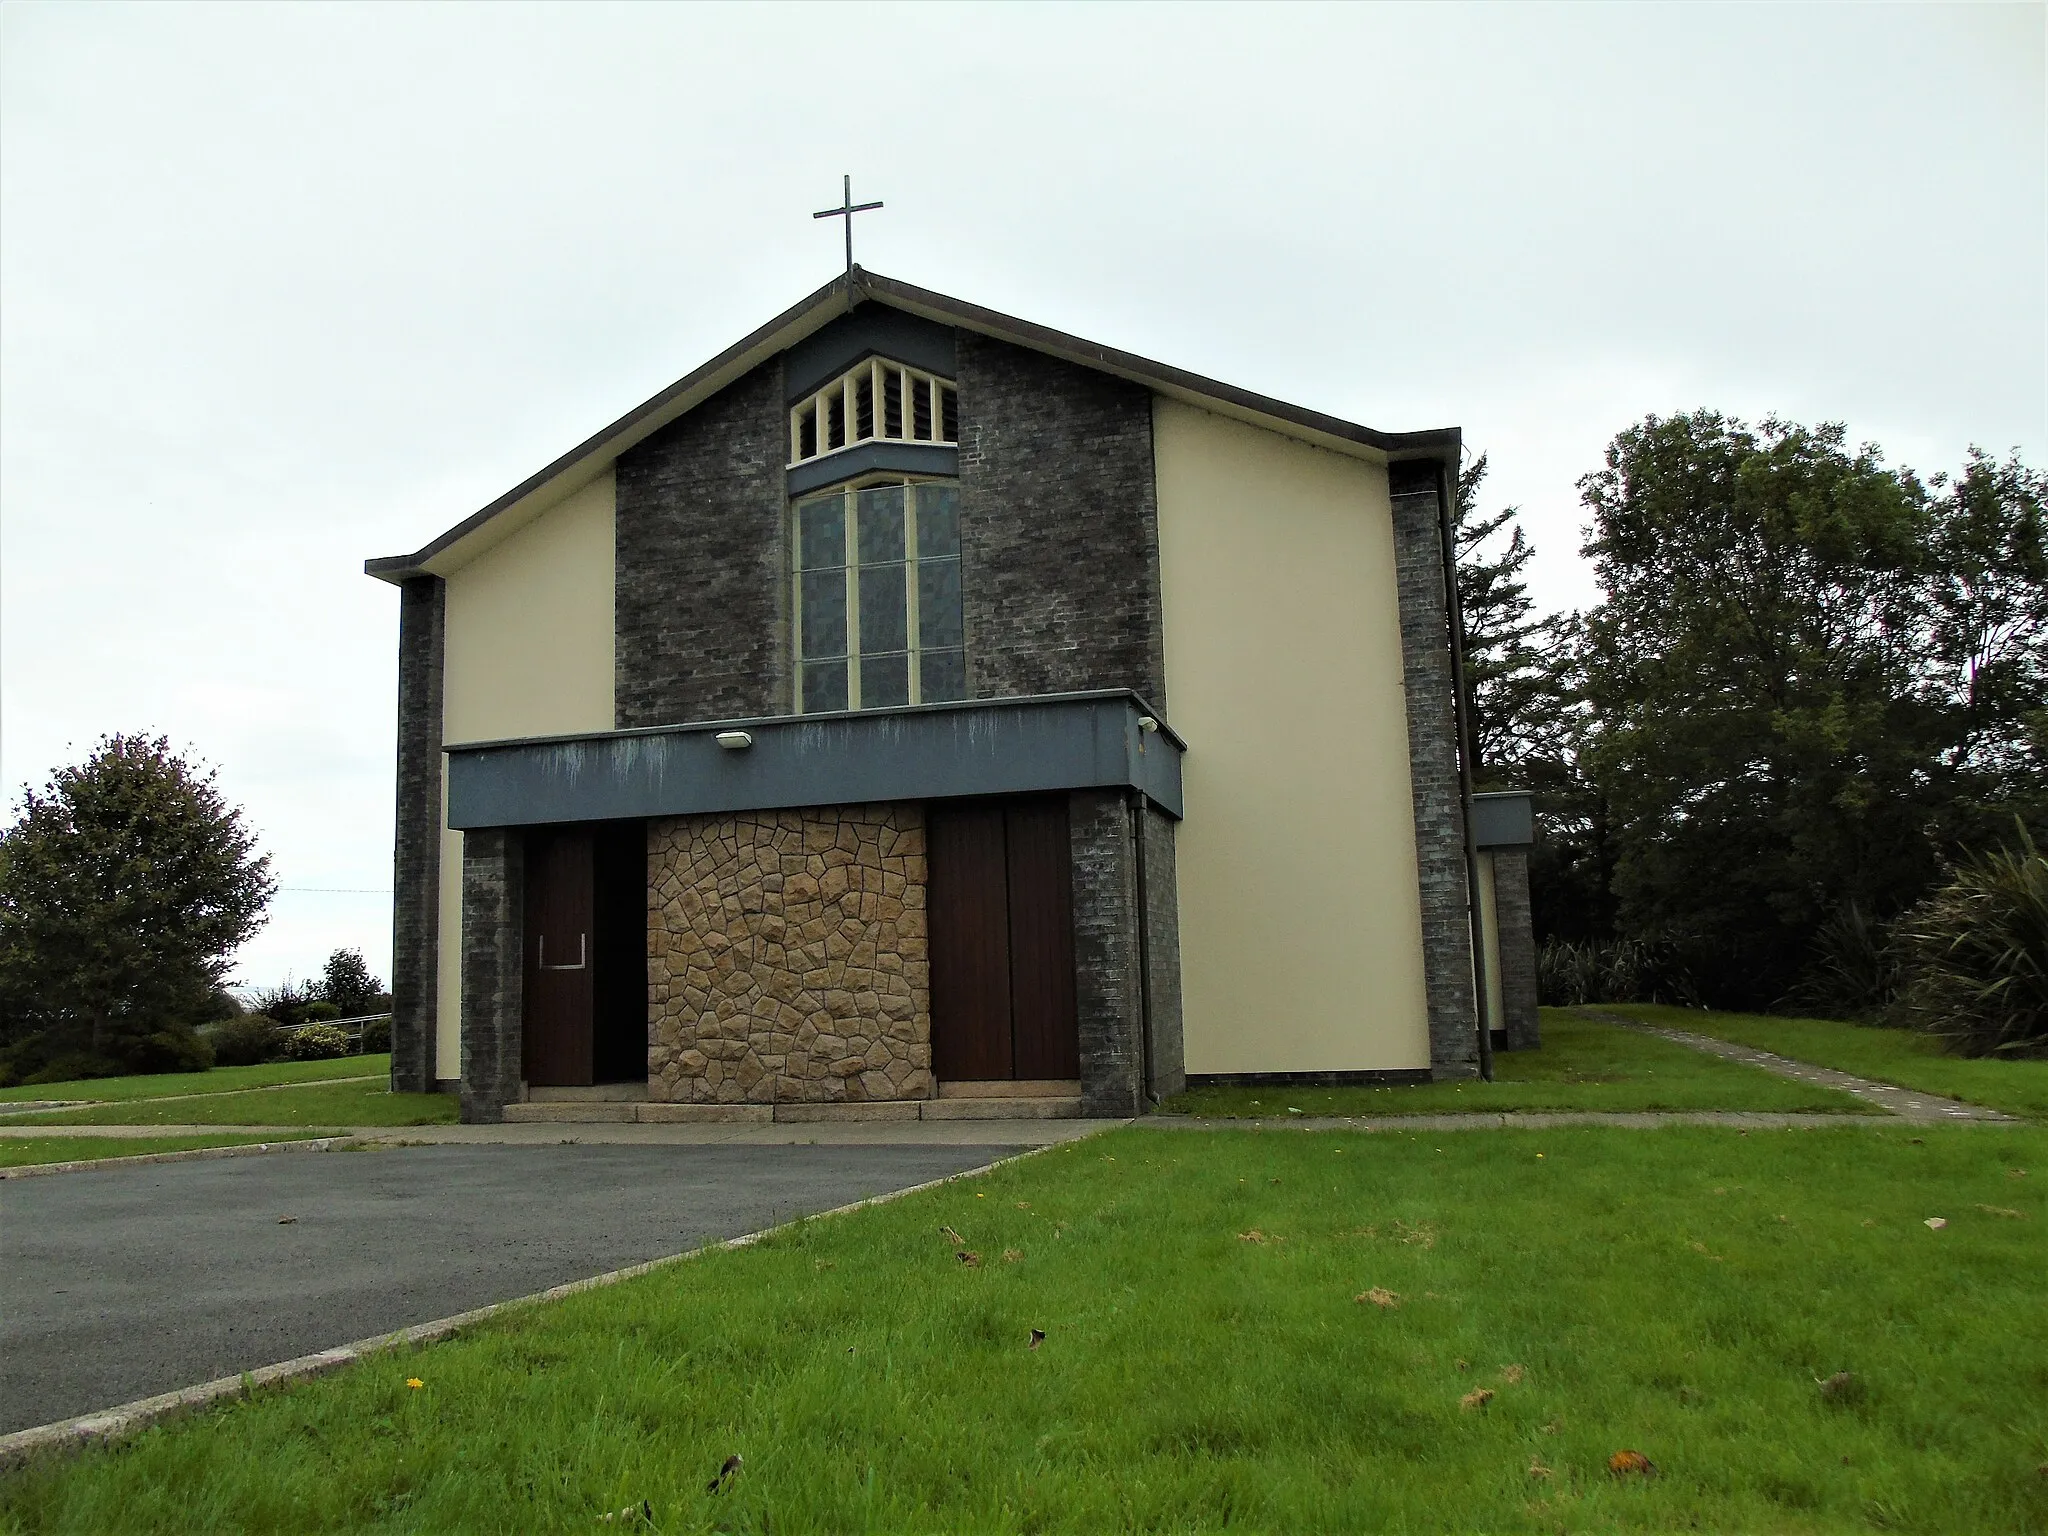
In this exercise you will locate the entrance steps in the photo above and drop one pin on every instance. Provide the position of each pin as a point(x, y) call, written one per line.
point(609, 1104)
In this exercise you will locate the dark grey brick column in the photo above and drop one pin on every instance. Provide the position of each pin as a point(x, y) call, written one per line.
point(1059, 527)
point(493, 944)
point(1517, 948)
point(1165, 1055)
point(1106, 953)
point(703, 588)
point(1433, 774)
point(416, 839)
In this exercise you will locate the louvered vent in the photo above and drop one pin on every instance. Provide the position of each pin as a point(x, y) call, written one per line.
point(874, 401)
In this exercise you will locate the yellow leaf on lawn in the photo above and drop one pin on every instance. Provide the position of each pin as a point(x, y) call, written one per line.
point(1379, 1296)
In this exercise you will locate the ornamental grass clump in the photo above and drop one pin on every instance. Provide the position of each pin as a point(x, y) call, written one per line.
point(1974, 955)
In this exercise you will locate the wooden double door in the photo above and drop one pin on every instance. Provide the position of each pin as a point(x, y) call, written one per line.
point(586, 955)
point(1000, 917)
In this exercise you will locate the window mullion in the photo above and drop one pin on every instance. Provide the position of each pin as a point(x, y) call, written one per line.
point(852, 549)
point(910, 619)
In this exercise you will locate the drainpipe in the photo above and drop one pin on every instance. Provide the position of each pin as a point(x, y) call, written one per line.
point(1137, 804)
point(1446, 494)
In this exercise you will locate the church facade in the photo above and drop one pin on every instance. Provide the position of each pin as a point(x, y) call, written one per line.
point(918, 713)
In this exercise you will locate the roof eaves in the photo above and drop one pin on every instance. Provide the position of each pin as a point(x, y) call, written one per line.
point(649, 416)
point(849, 289)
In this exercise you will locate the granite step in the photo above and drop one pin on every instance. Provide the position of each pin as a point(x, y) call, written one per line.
point(617, 1112)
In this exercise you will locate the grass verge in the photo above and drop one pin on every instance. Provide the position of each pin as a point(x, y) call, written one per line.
point(1902, 1056)
point(27, 1151)
point(1583, 1065)
point(1679, 1293)
point(218, 1080)
point(367, 1103)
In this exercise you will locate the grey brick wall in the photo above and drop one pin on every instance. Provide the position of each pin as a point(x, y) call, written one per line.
point(1106, 953)
point(493, 979)
point(1059, 529)
point(416, 840)
point(703, 595)
point(1517, 948)
point(1166, 1056)
point(1433, 771)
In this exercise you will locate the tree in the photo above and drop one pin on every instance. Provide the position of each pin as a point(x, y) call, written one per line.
point(126, 884)
point(1805, 669)
point(1525, 685)
point(348, 984)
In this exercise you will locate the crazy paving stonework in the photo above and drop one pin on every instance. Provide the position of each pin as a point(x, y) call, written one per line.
point(786, 957)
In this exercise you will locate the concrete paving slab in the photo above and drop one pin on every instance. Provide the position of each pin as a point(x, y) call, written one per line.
point(128, 1281)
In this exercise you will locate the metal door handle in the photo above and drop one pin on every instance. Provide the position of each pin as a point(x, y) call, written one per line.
point(582, 954)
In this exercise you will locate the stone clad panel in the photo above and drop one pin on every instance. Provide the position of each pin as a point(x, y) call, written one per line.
point(787, 960)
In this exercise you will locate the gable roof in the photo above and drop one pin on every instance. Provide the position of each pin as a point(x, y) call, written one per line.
point(591, 458)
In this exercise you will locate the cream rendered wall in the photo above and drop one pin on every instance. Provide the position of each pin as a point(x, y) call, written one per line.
point(529, 652)
point(1489, 937)
point(1300, 918)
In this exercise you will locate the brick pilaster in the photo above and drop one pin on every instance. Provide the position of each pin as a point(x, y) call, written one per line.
point(416, 840)
point(493, 977)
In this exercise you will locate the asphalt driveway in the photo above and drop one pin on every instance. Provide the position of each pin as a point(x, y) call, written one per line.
point(121, 1283)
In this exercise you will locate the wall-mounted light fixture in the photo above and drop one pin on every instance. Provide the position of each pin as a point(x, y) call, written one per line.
point(1147, 723)
point(734, 741)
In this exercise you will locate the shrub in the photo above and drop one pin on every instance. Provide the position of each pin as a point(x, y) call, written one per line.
point(179, 1048)
point(73, 1066)
point(376, 1036)
point(247, 1040)
point(1611, 971)
point(321, 1013)
point(1852, 971)
point(316, 1042)
point(1974, 955)
point(286, 1002)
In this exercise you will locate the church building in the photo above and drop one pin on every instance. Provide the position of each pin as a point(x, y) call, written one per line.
point(918, 713)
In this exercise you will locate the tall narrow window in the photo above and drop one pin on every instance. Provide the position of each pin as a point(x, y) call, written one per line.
point(878, 596)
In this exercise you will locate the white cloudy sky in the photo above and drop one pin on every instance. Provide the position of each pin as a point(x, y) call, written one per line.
point(285, 287)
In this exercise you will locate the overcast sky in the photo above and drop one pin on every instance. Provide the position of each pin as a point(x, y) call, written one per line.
point(285, 287)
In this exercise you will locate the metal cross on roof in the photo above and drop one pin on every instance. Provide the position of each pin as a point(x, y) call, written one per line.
point(846, 210)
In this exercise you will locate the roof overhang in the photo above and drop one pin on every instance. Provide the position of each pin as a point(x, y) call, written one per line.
point(590, 459)
point(1102, 740)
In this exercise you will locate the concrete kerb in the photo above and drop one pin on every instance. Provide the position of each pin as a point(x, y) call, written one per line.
point(111, 1424)
point(190, 1154)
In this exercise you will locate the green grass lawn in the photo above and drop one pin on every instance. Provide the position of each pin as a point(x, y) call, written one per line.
point(218, 1080)
point(1901, 1056)
point(1678, 1292)
point(1583, 1065)
point(338, 1104)
point(23, 1151)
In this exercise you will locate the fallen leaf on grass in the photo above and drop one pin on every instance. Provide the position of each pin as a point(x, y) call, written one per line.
point(2000, 1210)
point(1478, 1397)
point(1936, 1223)
point(1037, 1337)
point(730, 1469)
point(1631, 1464)
point(1421, 1235)
point(1464, 1365)
point(970, 1259)
point(953, 1237)
point(2017, 1173)
point(821, 1264)
point(1253, 1236)
point(1023, 1205)
point(1537, 1469)
point(1379, 1296)
point(1012, 1255)
point(1554, 1427)
point(1842, 1387)
point(1512, 1374)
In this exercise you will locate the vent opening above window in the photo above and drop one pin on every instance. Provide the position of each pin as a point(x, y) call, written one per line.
point(876, 401)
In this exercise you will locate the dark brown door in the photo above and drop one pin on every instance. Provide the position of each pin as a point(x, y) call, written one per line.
point(968, 920)
point(560, 957)
point(1042, 1018)
point(1000, 918)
